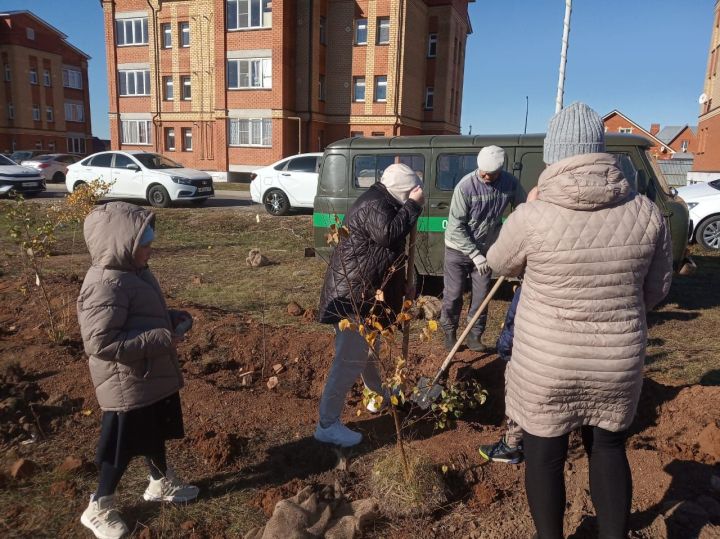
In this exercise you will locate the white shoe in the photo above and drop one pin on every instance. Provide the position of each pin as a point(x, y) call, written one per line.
point(103, 519)
point(170, 489)
point(337, 434)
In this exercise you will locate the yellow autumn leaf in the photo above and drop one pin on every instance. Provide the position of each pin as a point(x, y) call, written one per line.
point(433, 325)
point(407, 304)
point(358, 413)
point(86, 412)
point(344, 324)
point(394, 400)
point(378, 326)
point(444, 468)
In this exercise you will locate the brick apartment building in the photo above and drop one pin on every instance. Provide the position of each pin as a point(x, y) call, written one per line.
point(707, 157)
point(232, 84)
point(44, 88)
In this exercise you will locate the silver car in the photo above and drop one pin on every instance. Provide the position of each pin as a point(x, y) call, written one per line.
point(52, 166)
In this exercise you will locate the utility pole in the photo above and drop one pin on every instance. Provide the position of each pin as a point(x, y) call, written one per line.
point(563, 57)
point(527, 107)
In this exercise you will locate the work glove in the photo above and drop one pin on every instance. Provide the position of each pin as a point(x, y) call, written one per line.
point(481, 264)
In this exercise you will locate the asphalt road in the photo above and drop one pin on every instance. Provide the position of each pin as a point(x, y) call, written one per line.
point(222, 199)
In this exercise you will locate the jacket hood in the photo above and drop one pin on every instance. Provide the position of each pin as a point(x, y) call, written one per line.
point(112, 234)
point(584, 182)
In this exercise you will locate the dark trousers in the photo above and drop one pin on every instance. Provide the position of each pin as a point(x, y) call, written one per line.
point(456, 269)
point(610, 481)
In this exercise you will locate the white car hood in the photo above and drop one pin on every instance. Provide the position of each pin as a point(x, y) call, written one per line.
point(691, 193)
point(189, 173)
point(17, 171)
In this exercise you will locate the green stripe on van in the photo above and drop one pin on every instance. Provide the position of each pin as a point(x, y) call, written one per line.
point(425, 224)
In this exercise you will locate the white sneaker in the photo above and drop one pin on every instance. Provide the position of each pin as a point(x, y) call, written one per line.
point(103, 519)
point(170, 489)
point(337, 434)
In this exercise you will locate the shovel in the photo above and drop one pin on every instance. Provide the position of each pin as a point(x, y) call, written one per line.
point(428, 390)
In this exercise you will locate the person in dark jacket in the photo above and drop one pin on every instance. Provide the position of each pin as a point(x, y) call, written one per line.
point(368, 259)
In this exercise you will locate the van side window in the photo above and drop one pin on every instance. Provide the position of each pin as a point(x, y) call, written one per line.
point(368, 169)
point(452, 167)
point(333, 176)
point(628, 169)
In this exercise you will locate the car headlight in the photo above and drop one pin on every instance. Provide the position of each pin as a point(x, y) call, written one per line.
point(179, 179)
point(691, 205)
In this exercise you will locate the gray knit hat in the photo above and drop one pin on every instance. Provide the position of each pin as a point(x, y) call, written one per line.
point(575, 130)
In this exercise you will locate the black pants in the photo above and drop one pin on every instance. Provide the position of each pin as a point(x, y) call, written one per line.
point(610, 481)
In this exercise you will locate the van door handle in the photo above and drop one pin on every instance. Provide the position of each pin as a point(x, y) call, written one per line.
point(285, 174)
point(439, 205)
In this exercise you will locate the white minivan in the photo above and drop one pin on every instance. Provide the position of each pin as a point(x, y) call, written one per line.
point(143, 175)
point(288, 183)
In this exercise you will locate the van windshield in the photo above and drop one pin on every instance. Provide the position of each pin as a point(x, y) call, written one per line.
point(664, 185)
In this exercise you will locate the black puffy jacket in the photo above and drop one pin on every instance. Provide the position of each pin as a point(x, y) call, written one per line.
point(361, 263)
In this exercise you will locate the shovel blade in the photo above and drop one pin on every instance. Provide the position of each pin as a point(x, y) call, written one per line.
point(427, 394)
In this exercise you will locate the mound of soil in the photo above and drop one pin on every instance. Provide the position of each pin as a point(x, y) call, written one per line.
point(218, 450)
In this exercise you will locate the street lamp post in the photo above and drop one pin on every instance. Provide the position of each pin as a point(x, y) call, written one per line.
point(563, 57)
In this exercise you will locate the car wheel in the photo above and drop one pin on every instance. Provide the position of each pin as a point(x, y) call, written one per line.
point(708, 233)
point(79, 185)
point(58, 177)
point(199, 201)
point(158, 197)
point(276, 202)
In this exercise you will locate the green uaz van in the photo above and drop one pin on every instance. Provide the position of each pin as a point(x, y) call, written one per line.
point(350, 166)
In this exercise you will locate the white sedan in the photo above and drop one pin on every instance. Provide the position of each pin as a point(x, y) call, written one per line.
point(142, 175)
point(703, 200)
point(288, 183)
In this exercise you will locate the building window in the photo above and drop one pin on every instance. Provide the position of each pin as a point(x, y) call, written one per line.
point(11, 111)
point(323, 31)
point(429, 97)
point(8, 73)
point(47, 80)
point(136, 131)
point(184, 34)
point(377, 134)
point(358, 88)
point(74, 112)
point(684, 146)
point(76, 145)
point(627, 130)
point(33, 76)
point(167, 36)
point(361, 31)
point(432, 45)
point(170, 139)
point(356, 133)
point(187, 139)
point(36, 113)
point(135, 82)
point(252, 132)
point(168, 89)
point(72, 78)
point(30, 33)
point(383, 30)
point(49, 115)
point(249, 14)
point(131, 31)
point(251, 73)
point(321, 88)
point(186, 88)
point(381, 88)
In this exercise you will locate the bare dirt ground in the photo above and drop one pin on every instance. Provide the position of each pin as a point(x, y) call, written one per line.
point(248, 446)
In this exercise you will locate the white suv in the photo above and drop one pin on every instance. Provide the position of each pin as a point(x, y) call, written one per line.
point(288, 183)
point(144, 175)
point(703, 200)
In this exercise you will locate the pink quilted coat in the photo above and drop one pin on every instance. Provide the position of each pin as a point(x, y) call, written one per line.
point(596, 257)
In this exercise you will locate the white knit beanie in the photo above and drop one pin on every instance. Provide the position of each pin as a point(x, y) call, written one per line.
point(399, 180)
point(575, 130)
point(491, 159)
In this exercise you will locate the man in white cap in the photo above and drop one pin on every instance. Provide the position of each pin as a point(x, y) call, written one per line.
point(362, 263)
point(476, 211)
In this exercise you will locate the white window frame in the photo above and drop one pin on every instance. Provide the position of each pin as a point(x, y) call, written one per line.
point(429, 98)
point(383, 23)
point(380, 81)
point(135, 40)
point(72, 78)
point(187, 136)
point(36, 113)
point(185, 82)
point(625, 130)
point(136, 76)
point(74, 112)
point(250, 132)
point(11, 111)
point(33, 75)
point(257, 8)
point(432, 45)
point(30, 33)
point(684, 146)
point(360, 24)
point(184, 31)
point(49, 114)
point(166, 31)
point(8, 73)
point(358, 82)
point(47, 78)
point(168, 84)
point(170, 134)
point(136, 132)
point(76, 145)
point(250, 73)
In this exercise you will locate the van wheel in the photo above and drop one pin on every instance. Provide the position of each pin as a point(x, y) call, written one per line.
point(158, 197)
point(58, 177)
point(708, 234)
point(276, 202)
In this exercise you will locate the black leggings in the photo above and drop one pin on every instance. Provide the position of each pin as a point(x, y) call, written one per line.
point(111, 473)
point(610, 481)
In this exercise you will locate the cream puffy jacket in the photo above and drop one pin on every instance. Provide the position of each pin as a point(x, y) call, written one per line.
point(124, 321)
point(596, 257)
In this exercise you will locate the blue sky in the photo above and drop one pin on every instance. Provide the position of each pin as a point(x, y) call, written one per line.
point(646, 58)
